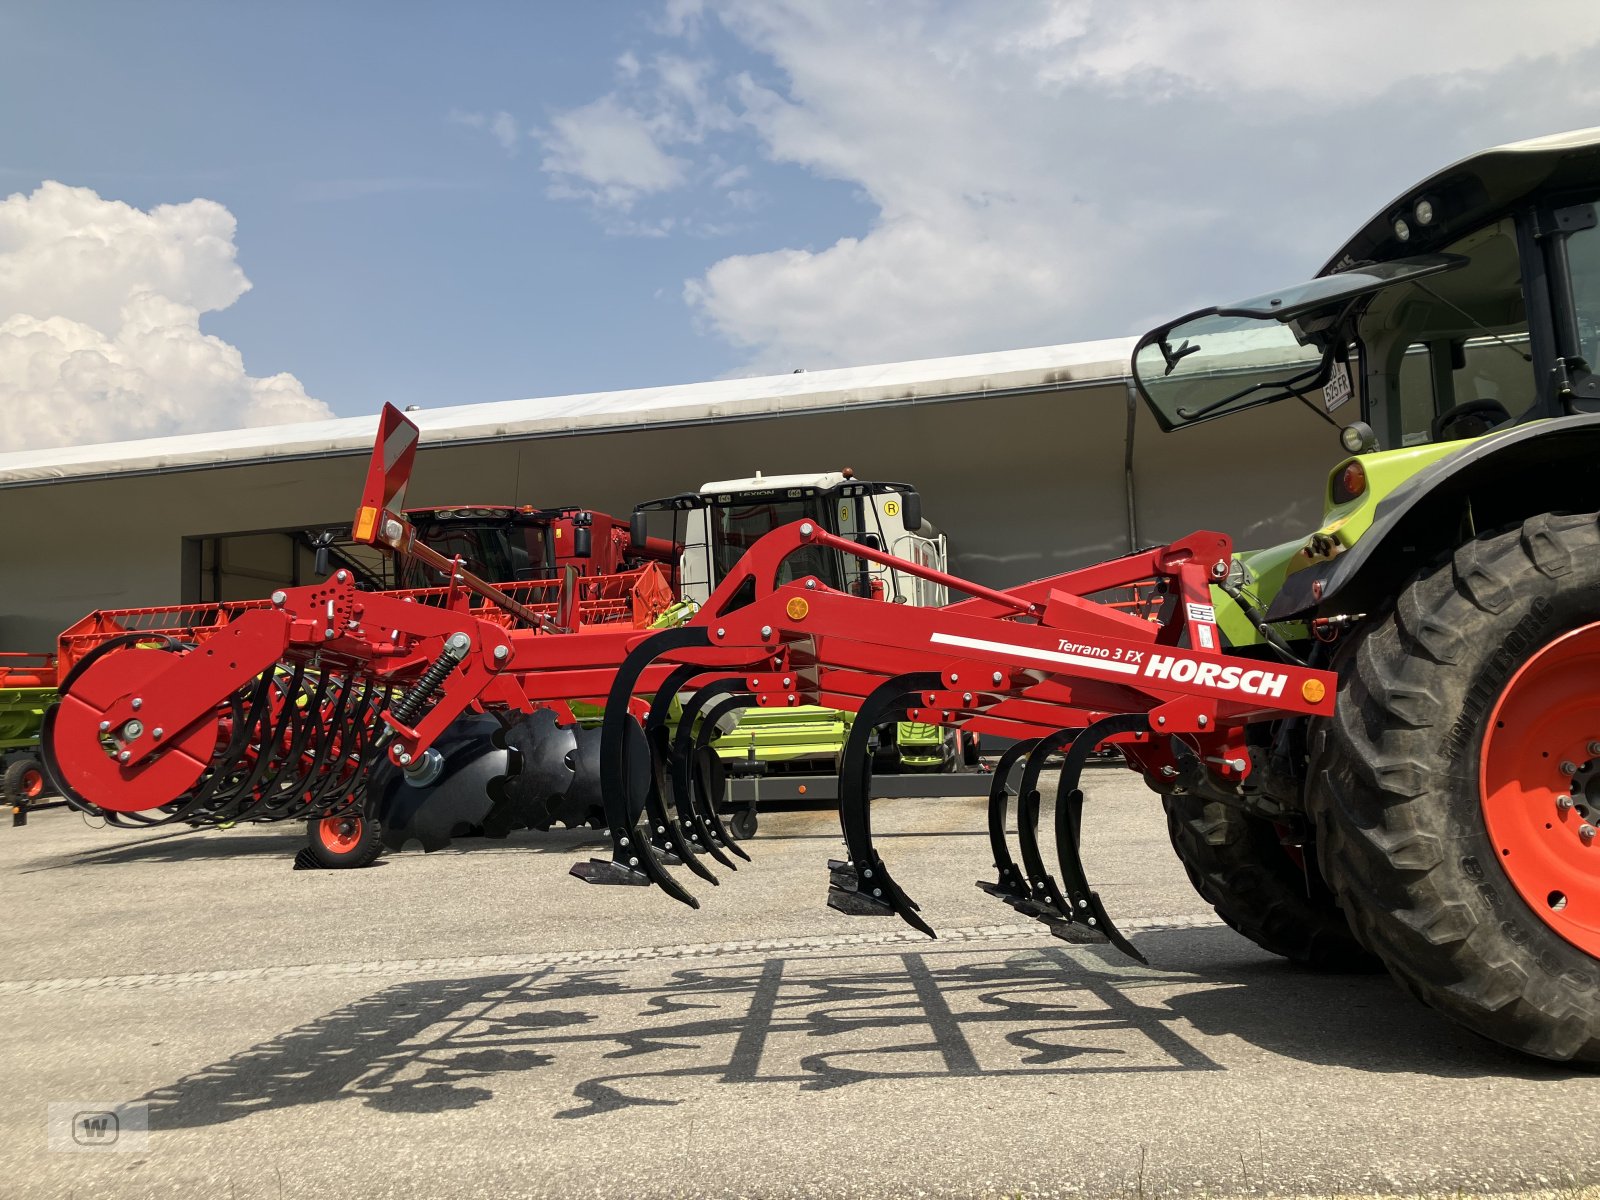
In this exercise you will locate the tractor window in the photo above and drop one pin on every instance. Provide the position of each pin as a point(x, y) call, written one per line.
point(496, 551)
point(1454, 341)
point(1583, 261)
point(737, 526)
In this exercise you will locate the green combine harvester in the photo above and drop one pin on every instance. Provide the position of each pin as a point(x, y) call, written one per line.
point(718, 523)
point(27, 689)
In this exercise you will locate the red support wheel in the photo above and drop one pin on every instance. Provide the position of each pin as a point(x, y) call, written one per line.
point(1539, 783)
point(344, 840)
point(23, 782)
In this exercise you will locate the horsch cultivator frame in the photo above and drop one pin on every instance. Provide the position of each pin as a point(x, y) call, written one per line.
point(282, 713)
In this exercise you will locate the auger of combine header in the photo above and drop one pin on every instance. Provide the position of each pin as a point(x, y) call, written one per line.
point(287, 708)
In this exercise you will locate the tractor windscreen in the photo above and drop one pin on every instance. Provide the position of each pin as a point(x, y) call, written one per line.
point(1223, 360)
point(740, 522)
point(1215, 364)
point(496, 549)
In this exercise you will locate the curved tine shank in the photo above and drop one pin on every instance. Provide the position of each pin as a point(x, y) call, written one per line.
point(1069, 826)
point(683, 750)
point(863, 886)
point(632, 860)
point(705, 803)
point(665, 833)
point(1010, 884)
point(1045, 896)
point(668, 834)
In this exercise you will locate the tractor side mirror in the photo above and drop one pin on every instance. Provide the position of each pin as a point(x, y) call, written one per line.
point(322, 560)
point(911, 509)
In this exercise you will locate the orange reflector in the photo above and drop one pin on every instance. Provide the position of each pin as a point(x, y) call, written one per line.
point(802, 789)
point(1313, 690)
point(1351, 483)
point(797, 608)
point(366, 522)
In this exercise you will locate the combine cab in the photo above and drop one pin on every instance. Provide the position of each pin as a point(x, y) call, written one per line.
point(718, 524)
point(1379, 743)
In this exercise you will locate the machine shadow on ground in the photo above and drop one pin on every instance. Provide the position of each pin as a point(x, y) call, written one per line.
point(189, 845)
point(611, 1037)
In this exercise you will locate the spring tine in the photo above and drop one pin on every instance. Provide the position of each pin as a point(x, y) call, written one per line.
point(710, 784)
point(278, 790)
point(862, 886)
point(227, 799)
point(1045, 901)
point(684, 750)
point(1069, 827)
point(632, 859)
point(1010, 884)
point(666, 833)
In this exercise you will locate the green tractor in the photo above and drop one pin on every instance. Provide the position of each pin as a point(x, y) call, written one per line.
point(1444, 822)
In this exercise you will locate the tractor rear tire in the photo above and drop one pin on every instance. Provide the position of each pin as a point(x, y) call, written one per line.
point(23, 781)
point(343, 842)
point(1447, 793)
point(1239, 865)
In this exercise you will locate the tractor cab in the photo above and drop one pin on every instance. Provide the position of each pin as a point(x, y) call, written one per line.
point(1451, 343)
point(1469, 304)
point(717, 524)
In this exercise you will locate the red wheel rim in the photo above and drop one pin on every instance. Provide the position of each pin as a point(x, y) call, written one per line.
point(32, 783)
point(340, 835)
point(1539, 781)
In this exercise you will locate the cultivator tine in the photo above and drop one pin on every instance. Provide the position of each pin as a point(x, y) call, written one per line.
point(691, 806)
point(1010, 886)
point(710, 781)
point(633, 860)
point(667, 835)
point(1044, 901)
point(862, 886)
point(1069, 826)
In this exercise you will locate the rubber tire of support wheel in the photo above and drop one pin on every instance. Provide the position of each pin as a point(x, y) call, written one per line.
point(1394, 788)
point(23, 782)
point(365, 848)
point(1240, 867)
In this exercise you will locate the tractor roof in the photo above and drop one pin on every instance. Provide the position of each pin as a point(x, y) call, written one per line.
point(1468, 194)
point(763, 483)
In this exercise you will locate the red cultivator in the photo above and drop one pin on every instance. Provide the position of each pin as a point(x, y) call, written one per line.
point(282, 712)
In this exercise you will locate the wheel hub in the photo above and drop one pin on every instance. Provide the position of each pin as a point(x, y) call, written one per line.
point(1539, 782)
point(340, 834)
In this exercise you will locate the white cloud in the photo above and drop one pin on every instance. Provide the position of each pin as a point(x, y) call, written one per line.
point(1291, 52)
point(1074, 169)
point(501, 126)
point(608, 152)
point(100, 337)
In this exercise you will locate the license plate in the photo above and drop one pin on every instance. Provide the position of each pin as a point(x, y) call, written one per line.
point(1337, 390)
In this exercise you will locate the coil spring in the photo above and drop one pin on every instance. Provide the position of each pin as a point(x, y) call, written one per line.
point(406, 708)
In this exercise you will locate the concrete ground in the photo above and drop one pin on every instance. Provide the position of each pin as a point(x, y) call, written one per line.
point(475, 1022)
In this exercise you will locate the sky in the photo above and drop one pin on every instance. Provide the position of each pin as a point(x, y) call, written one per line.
point(216, 215)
